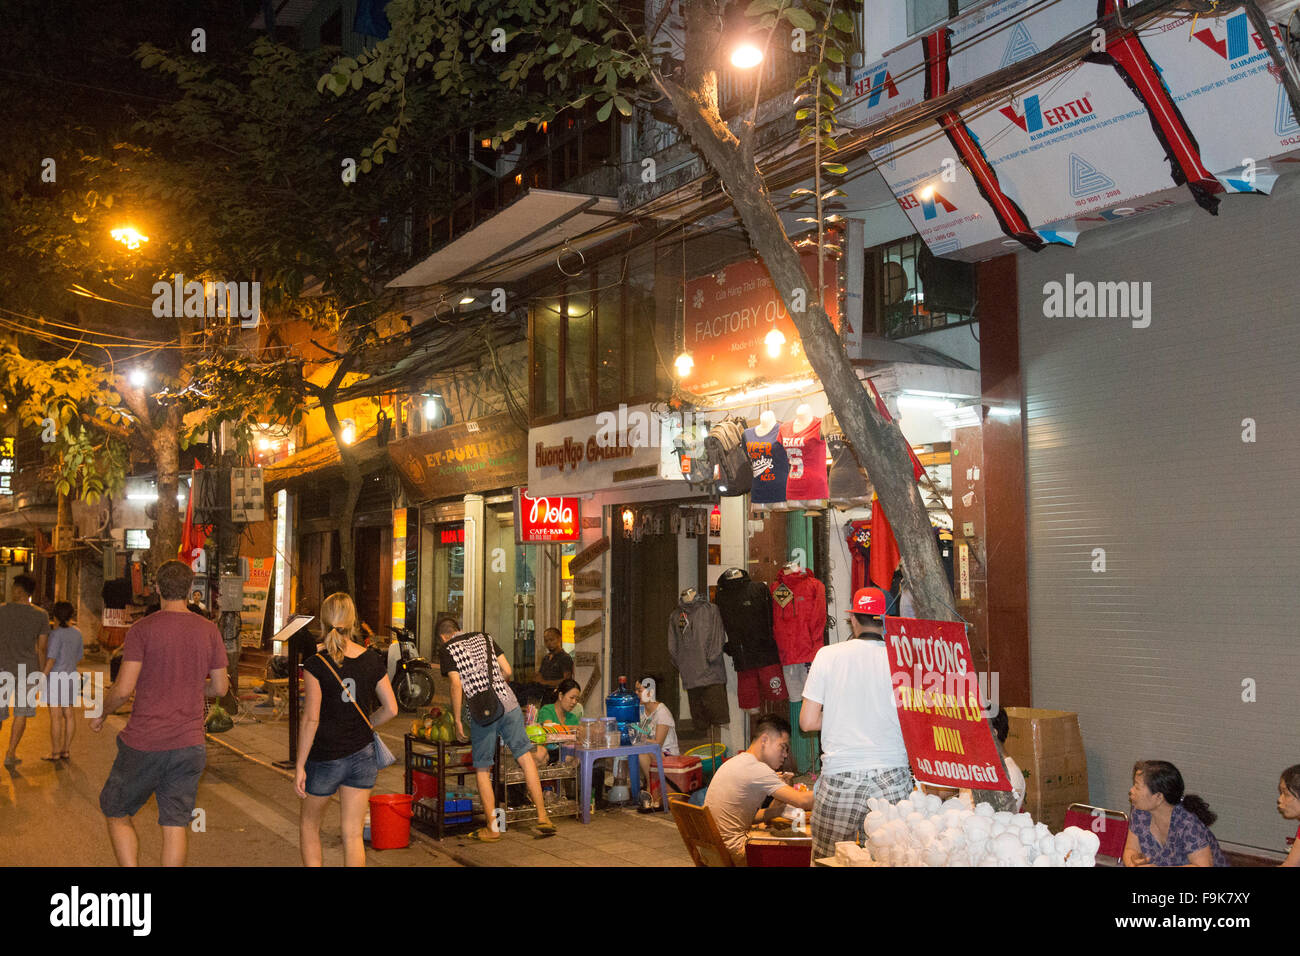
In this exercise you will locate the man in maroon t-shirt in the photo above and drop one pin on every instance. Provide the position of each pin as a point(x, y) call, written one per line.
point(172, 660)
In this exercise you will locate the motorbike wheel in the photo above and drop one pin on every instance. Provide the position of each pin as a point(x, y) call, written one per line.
point(415, 690)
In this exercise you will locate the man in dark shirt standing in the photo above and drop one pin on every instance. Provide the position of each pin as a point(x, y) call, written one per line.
point(556, 666)
point(24, 629)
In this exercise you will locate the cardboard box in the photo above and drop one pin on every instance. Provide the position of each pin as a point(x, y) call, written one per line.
point(1035, 732)
point(1048, 747)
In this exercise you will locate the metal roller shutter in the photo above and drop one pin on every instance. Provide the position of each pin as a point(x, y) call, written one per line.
point(1134, 445)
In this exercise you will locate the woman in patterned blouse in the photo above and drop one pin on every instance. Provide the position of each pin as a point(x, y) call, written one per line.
point(1168, 828)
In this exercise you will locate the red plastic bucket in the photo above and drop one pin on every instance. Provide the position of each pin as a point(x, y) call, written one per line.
point(390, 821)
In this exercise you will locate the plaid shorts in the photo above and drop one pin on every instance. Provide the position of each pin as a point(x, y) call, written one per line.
point(840, 803)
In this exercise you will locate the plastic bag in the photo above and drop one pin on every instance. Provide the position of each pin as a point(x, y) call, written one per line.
point(218, 721)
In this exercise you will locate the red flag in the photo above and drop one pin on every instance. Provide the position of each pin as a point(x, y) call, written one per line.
point(192, 536)
point(884, 549)
point(917, 468)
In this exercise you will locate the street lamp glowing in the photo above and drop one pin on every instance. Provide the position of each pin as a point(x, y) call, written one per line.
point(684, 363)
point(774, 340)
point(746, 56)
point(129, 236)
point(138, 378)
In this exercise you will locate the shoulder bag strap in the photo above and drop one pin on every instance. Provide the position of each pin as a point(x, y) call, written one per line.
point(326, 660)
point(492, 661)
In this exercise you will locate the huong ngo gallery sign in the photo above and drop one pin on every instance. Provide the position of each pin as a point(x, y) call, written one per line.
point(595, 452)
point(459, 459)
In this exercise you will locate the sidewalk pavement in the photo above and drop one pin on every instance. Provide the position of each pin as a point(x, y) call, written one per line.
point(615, 837)
point(49, 812)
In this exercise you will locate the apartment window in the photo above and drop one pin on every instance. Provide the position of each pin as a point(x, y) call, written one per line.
point(923, 14)
point(596, 341)
point(896, 293)
point(547, 328)
point(580, 321)
point(609, 332)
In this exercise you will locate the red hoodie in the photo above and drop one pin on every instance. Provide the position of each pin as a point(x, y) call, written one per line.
point(798, 616)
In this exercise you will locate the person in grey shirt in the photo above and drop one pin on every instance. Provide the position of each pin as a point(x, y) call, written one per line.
point(741, 784)
point(23, 632)
point(65, 649)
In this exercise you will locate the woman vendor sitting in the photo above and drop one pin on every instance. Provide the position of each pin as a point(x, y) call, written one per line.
point(566, 711)
point(1168, 828)
point(658, 719)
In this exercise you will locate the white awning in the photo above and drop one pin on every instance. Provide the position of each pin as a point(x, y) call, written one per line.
point(511, 244)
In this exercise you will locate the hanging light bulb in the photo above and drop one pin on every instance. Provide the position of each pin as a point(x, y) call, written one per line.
point(684, 363)
point(774, 340)
point(629, 520)
point(746, 56)
point(349, 431)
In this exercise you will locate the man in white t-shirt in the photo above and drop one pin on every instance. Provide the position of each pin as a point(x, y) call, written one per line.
point(740, 785)
point(849, 697)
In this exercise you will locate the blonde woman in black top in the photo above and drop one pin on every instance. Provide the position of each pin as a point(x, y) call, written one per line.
point(335, 744)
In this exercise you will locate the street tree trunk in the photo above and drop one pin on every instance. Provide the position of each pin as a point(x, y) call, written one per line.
point(352, 478)
point(880, 445)
point(64, 565)
point(165, 442)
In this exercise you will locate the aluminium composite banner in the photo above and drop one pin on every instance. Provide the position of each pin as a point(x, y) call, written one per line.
point(1219, 74)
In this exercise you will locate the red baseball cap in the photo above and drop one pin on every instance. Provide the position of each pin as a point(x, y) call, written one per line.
point(871, 601)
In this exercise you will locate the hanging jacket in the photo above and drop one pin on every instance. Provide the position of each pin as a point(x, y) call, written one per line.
point(798, 616)
point(695, 639)
point(746, 609)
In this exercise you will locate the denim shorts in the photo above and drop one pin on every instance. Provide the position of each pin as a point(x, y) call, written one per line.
point(357, 770)
point(172, 776)
point(510, 728)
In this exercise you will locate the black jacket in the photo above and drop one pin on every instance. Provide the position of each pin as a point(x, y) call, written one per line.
point(746, 607)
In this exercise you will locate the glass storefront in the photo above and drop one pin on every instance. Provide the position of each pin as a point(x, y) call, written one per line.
point(446, 574)
point(510, 593)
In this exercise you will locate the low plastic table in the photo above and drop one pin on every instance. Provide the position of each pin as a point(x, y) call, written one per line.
point(588, 758)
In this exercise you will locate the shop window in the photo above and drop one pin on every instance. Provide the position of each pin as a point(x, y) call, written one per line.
point(896, 294)
point(609, 332)
point(510, 598)
point(545, 341)
point(645, 340)
point(579, 321)
point(923, 14)
point(448, 569)
point(605, 332)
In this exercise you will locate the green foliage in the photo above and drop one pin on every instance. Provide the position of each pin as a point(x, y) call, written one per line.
point(557, 56)
point(832, 32)
point(80, 406)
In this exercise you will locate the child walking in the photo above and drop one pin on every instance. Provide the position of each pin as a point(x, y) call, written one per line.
point(63, 683)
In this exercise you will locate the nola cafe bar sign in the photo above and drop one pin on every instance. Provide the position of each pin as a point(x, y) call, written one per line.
point(547, 518)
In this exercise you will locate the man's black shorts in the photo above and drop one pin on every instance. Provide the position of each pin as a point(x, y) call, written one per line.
point(170, 775)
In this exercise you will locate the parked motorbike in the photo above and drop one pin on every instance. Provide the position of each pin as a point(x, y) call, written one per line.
point(410, 674)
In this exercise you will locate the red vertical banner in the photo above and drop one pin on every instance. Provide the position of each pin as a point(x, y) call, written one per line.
point(936, 690)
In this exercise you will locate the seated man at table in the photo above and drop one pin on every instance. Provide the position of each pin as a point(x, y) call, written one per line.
point(740, 785)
